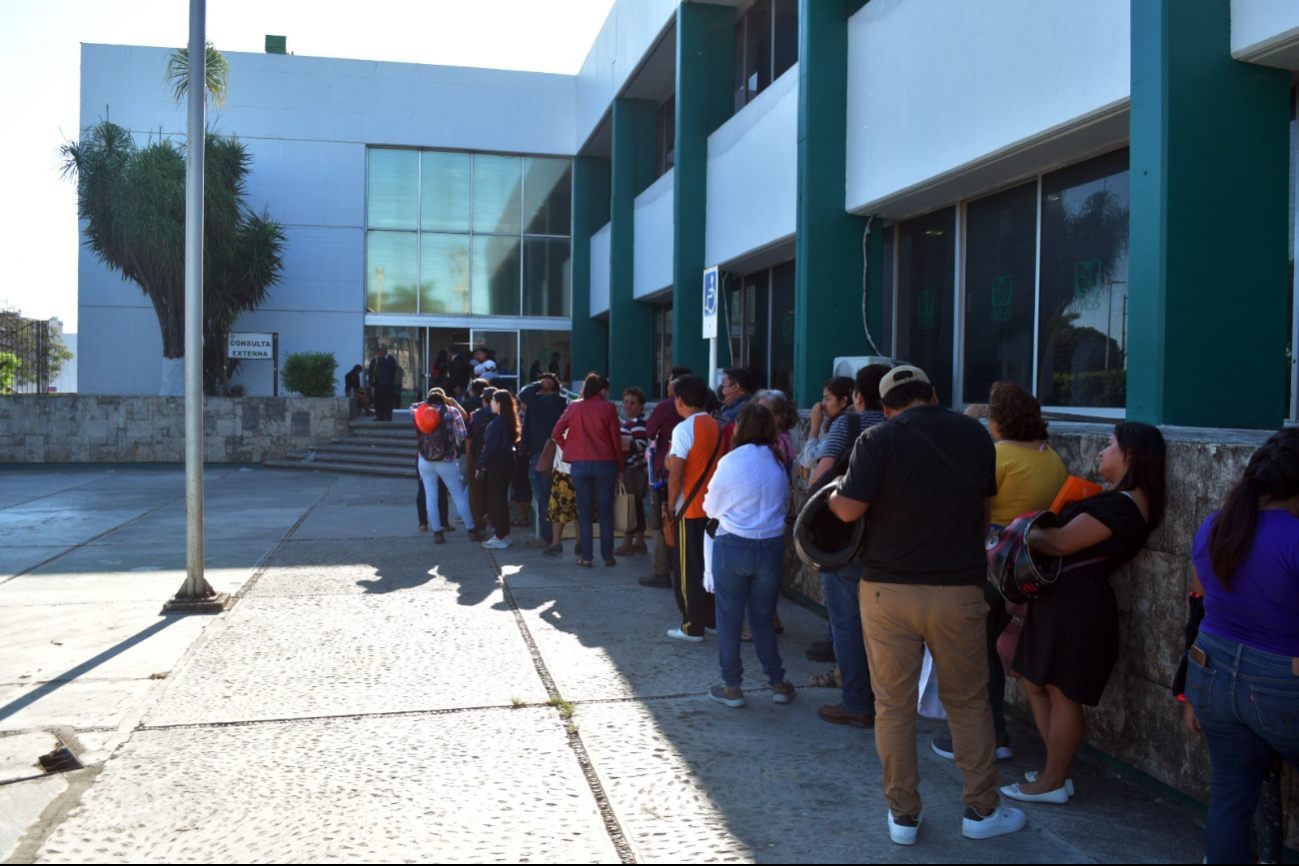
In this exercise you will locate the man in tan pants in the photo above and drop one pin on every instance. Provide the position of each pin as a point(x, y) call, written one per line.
point(923, 479)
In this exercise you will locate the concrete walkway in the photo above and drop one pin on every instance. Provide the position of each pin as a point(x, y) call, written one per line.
point(373, 697)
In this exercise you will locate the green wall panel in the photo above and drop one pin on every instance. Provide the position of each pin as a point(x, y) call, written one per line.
point(591, 181)
point(631, 323)
point(1209, 261)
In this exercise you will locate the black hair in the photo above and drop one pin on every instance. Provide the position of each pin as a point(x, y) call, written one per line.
point(358, 368)
point(693, 391)
point(840, 387)
point(550, 377)
point(1272, 471)
point(741, 377)
point(902, 396)
point(867, 384)
point(678, 372)
point(1143, 445)
point(477, 386)
point(593, 385)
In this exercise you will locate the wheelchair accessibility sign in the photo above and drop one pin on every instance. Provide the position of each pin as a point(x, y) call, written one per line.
point(711, 291)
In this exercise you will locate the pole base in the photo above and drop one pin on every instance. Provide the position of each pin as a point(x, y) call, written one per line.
point(214, 604)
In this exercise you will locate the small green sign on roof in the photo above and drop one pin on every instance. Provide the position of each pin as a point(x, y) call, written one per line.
point(277, 44)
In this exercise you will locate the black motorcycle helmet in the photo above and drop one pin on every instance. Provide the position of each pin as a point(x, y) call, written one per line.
point(1019, 573)
point(822, 541)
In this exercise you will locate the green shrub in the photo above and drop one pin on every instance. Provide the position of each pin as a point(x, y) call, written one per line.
point(9, 365)
point(310, 374)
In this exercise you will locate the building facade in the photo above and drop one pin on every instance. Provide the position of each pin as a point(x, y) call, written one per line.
point(1094, 199)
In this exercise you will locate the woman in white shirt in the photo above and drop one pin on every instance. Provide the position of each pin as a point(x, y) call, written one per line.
point(746, 497)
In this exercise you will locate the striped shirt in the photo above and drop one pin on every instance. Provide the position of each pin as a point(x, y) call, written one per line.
point(635, 428)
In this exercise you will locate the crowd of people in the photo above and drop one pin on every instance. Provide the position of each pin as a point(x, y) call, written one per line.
point(710, 475)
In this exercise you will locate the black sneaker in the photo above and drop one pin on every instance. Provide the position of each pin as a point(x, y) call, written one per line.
point(660, 582)
point(439, 537)
point(942, 747)
point(821, 651)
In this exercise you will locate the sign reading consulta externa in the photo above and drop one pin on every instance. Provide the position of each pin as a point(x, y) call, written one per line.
point(251, 347)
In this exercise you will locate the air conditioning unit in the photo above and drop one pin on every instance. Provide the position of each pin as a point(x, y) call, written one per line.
point(849, 366)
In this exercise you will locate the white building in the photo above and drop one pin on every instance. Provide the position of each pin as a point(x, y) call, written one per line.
point(999, 151)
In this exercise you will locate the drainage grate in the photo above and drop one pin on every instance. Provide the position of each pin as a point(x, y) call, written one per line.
point(60, 761)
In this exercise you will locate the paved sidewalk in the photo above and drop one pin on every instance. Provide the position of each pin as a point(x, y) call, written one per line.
point(374, 697)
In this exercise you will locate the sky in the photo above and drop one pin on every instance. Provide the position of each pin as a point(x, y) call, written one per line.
point(40, 63)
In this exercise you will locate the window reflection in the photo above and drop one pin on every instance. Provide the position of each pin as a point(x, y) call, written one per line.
point(498, 194)
point(548, 196)
point(394, 185)
point(926, 276)
point(1000, 261)
point(444, 273)
point(1084, 284)
point(392, 275)
point(547, 276)
point(444, 206)
point(496, 270)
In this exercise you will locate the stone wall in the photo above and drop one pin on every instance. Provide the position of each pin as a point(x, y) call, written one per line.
point(1138, 721)
point(128, 429)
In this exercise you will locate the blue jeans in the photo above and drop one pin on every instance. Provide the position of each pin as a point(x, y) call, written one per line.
point(747, 573)
point(594, 482)
point(849, 643)
point(1247, 702)
point(541, 485)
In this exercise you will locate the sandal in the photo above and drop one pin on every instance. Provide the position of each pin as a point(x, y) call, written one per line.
point(745, 635)
point(780, 626)
point(829, 680)
point(519, 522)
point(584, 563)
point(423, 527)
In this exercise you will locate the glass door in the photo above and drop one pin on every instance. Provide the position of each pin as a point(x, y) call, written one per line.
point(503, 348)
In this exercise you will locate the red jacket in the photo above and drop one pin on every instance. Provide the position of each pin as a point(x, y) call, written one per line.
point(590, 430)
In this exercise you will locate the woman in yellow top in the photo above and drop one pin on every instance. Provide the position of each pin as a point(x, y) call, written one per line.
point(1029, 475)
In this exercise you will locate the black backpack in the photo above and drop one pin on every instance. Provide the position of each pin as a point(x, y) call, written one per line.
point(436, 446)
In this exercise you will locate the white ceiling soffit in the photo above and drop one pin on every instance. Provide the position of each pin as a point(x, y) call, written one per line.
point(1103, 130)
point(1281, 51)
point(764, 257)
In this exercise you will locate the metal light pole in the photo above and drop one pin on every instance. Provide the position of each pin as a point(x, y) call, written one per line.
point(196, 594)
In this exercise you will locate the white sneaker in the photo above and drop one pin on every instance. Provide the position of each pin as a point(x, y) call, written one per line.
point(904, 834)
point(1003, 753)
point(1003, 820)
point(680, 635)
point(1031, 776)
point(495, 543)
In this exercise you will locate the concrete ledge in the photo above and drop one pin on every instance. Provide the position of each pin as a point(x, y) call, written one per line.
point(133, 429)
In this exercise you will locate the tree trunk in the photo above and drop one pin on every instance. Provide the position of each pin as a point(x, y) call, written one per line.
point(173, 378)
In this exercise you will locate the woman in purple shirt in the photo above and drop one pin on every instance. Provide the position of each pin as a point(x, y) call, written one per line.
point(1242, 680)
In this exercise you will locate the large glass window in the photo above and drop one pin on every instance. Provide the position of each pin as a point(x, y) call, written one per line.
point(666, 136)
point(766, 45)
point(886, 339)
point(662, 349)
point(1083, 340)
point(393, 263)
point(1000, 264)
point(926, 304)
point(458, 233)
point(782, 328)
point(760, 313)
point(546, 352)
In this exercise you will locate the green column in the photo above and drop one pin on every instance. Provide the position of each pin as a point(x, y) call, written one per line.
point(590, 213)
point(1208, 250)
point(705, 100)
point(631, 323)
point(828, 257)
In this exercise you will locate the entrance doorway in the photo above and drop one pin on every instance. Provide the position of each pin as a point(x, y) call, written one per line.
point(504, 346)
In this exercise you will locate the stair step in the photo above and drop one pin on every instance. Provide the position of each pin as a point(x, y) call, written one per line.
point(392, 443)
point(407, 461)
point(356, 446)
point(348, 468)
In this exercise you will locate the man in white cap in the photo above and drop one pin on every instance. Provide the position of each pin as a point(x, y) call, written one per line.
point(923, 480)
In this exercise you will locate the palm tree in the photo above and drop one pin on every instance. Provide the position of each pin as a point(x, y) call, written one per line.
point(216, 74)
point(132, 202)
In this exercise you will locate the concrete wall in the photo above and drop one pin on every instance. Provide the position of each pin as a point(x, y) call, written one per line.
point(655, 248)
point(600, 275)
point(1138, 721)
point(937, 87)
point(306, 122)
point(753, 174)
point(631, 30)
point(1265, 31)
point(114, 429)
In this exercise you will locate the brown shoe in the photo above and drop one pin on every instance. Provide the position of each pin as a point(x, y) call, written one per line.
point(783, 693)
point(624, 550)
point(838, 714)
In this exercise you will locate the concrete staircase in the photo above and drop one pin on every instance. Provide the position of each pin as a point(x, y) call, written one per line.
point(385, 448)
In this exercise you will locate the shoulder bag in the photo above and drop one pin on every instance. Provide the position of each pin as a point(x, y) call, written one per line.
point(669, 516)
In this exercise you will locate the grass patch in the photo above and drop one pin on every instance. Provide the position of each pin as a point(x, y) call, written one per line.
point(518, 702)
point(566, 708)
